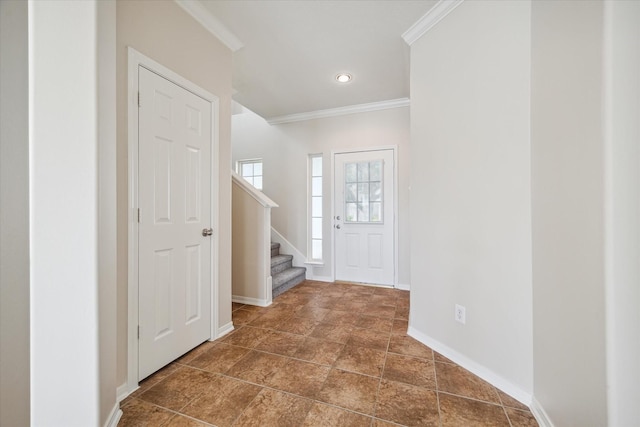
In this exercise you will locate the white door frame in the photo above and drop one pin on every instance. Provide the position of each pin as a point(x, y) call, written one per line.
point(135, 60)
point(395, 205)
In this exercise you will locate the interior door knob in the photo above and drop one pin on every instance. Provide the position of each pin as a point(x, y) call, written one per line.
point(338, 226)
point(207, 232)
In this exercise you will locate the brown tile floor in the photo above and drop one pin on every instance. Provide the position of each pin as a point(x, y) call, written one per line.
point(322, 355)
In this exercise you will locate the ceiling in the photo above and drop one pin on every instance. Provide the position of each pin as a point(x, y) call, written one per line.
point(292, 51)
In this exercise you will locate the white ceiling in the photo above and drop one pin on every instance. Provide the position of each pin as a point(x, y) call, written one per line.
point(292, 51)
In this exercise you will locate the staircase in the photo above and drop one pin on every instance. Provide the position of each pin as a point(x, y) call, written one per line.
point(284, 276)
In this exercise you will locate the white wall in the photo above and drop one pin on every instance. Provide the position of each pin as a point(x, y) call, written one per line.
point(164, 32)
point(285, 149)
point(622, 180)
point(568, 214)
point(71, 379)
point(14, 217)
point(470, 191)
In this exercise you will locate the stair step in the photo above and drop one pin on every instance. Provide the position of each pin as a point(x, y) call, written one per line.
point(280, 263)
point(287, 279)
point(275, 249)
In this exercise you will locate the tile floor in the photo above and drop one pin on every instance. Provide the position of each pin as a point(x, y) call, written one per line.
point(321, 355)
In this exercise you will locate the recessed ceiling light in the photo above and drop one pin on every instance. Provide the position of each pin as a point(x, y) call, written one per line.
point(343, 77)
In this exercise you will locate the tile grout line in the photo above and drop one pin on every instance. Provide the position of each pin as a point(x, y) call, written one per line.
point(173, 411)
point(248, 405)
point(504, 409)
point(470, 398)
point(435, 376)
point(190, 417)
point(384, 365)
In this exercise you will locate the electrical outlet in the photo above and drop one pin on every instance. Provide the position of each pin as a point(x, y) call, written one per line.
point(460, 314)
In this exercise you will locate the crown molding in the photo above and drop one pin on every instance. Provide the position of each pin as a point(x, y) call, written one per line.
point(341, 111)
point(430, 19)
point(201, 14)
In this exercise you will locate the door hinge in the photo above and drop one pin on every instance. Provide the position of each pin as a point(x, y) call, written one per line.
point(139, 215)
point(139, 104)
point(138, 331)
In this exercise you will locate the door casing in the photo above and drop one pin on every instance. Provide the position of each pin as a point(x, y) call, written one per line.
point(135, 60)
point(395, 205)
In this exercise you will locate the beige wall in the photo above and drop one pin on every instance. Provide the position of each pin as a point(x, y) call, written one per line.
point(107, 227)
point(164, 32)
point(285, 149)
point(568, 223)
point(14, 218)
point(251, 260)
point(470, 190)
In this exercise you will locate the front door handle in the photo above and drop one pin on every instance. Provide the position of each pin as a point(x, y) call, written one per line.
point(207, 232)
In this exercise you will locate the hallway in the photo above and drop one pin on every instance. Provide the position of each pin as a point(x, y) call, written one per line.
point(321, 355)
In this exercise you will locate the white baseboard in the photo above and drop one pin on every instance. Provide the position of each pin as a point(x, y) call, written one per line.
point(114, 417)
point(250, 301)
point(125, 390)
point(224, 330)
point(539, 413)
point(327, 279)
point(477, 369)
point(403, 287)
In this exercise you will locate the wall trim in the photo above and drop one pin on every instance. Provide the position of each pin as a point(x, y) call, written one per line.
point(474, 367)
point(114, 417)
point(403, 287)
point(539, 413)
point(250, 301)
point(224, 330)
point(315, 278)
point(123, 391)
point(201, 14)
point(341, 111)
point(429, 20)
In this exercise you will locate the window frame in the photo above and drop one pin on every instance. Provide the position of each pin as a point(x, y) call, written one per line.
point(311, 232)
point(367, 199)
point(254, 161)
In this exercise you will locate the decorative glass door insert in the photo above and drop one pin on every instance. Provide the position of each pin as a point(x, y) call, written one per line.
point(363, 192)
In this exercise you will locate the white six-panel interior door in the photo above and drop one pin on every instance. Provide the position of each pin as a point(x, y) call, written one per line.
point(363, 217)
point(174, 198)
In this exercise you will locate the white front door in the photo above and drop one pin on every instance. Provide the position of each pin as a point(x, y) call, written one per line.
point(364, 217)
point(174, 196)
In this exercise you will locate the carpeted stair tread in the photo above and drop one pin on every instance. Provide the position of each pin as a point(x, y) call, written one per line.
point(279, 259)
point(287, 279)
point(280, 263)
point(283, 275)
point(286, 275)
